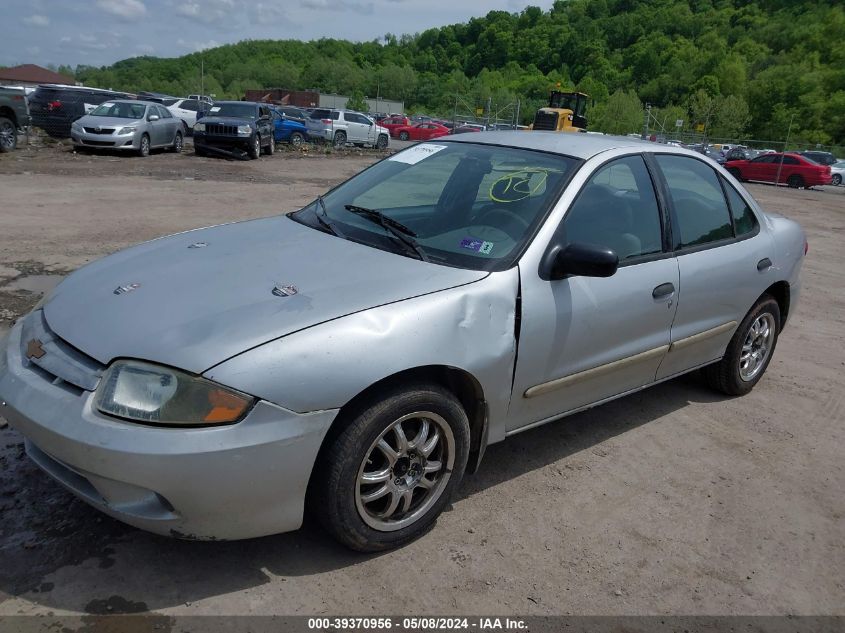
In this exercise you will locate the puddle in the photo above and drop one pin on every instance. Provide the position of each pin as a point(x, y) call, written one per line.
point(33, 283)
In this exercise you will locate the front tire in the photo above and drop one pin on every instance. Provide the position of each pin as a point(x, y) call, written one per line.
point(144, 147)
point(836, 180)
point(254, 147)
point(404, 136)
point(382, 142)
point(177, 143)
point(733, 171)
point(271, 148)
point(749, 352)
point(296, 139)
point(388, 475)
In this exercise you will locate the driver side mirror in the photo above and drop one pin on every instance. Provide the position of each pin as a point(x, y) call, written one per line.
point(578, 259)
point(153, 117)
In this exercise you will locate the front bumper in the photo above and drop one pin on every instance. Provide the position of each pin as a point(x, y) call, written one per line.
point(106, 141)
point(231, 482)
point(203, 139)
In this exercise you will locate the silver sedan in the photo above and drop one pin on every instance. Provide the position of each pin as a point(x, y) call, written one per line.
point(137, 126)
point(354, 359)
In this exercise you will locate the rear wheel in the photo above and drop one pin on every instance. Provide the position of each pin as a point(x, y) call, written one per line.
point(144, 147)
point(795, 181)
point(836, 180)
point(749, 352)
point(388, 475)
point(404, 136)
point(340, 139)
point(8, 135)
point(177, 143)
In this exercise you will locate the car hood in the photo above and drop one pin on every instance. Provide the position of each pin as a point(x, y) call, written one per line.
point(195, 299)
point(108, 121)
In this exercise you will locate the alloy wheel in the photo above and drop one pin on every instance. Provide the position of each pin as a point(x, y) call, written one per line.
point(7, 134)
point(756, 347)
point(405, 471)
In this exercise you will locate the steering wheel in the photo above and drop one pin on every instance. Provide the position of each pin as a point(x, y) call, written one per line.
point(510, 219)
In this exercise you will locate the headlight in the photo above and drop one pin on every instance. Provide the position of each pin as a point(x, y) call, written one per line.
point(75, 126)
point(127, 130)
point(199, 127)
point(159, 395)
point(244, 129)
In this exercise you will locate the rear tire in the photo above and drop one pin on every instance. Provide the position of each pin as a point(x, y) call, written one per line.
point(749, 352)
point(177, 143)
point(372, 498)
point(404, 136)
point(733, 171)
point(339, 139)
point(795, 181)
point(836, 180)
point(8, 135)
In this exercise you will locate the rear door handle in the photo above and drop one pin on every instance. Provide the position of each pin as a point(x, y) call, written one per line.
point(663, 290)
point(764, 264)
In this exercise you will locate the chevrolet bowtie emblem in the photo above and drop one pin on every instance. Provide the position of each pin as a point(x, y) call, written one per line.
point(34, 349)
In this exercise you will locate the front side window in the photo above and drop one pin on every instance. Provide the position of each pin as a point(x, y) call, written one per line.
point(697, 198)
point(469, 206)
point(617, 209)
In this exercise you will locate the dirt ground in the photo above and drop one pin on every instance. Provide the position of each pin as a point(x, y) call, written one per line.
point(672, 501)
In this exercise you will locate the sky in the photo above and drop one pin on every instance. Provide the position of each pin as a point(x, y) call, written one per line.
point(100, 32)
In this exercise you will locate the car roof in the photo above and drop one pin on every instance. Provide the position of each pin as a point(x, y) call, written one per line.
point(566, 143)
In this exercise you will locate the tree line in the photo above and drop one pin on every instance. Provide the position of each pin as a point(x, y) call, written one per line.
point(745, 68)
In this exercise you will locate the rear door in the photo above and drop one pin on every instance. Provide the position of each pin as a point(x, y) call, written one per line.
point(586, 339)
point(721, 254)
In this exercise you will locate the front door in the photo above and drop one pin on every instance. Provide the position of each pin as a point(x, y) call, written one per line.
point(583, 339)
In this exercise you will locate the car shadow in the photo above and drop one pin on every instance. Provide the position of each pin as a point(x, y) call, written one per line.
point(57, 538)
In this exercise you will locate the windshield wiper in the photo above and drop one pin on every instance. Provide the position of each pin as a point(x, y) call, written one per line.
point(323, 219)
point(397, 229)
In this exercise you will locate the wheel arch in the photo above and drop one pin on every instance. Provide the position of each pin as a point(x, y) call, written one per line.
point(781, 293)
point(7, 113)
point(462, 384)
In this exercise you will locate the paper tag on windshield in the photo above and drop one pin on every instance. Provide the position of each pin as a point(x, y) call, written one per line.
point(215, 109)
point(415, 154)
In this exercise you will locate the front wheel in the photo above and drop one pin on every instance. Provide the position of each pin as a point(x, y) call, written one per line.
point(144, 147)
point(404, 136)
point(296, 139)
point(387, 476)
point(749, 352)
point(382, 141)
point(177, 143)
point(271, 147)
point(836, 180)
point(255, 146)
point(733, 171)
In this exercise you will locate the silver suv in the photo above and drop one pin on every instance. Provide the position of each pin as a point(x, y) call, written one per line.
point(340, 127)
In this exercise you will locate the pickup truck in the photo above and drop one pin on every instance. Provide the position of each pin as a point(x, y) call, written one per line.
point(14, 116)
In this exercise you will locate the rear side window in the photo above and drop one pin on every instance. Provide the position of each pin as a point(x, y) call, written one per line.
point(697, 198)
point(744, 220)
point(320, 114)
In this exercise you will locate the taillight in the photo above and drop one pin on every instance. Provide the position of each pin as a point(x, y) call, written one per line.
point(54, 105)
point(806, 246)
point(325, 120)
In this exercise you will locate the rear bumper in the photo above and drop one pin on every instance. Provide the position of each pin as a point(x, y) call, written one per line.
point(232, 482)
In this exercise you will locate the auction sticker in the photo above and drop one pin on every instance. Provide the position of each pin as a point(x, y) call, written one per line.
point(415, 154)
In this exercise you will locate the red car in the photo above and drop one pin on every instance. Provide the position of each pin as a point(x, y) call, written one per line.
point(796, 170)
point(421, 132)
point(393, 122)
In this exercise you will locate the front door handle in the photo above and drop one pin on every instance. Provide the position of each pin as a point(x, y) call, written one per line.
point(764, 264)
point(663, 290)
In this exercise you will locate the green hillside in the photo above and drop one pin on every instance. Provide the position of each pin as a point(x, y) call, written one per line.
point(744, 67)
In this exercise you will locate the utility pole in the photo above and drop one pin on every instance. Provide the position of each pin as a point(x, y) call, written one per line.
point(785, 145)
point(646, 117)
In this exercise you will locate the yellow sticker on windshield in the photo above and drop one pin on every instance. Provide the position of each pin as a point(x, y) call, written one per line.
point(518, 185)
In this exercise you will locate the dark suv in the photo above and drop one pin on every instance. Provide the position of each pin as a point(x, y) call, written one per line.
point(235, 126)
point(53, 108)
point(822, 158)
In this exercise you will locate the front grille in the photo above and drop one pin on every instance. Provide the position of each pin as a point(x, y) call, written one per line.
point(103, 130)
point(221, 130)
point(99, 143)
point(59, 363)
point(545, 121)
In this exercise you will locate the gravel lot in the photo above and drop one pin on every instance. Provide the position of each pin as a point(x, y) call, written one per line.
point(672, 501)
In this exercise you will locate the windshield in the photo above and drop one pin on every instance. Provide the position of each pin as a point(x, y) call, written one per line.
point(237, 110)
point(120, 110)
point(466, 205)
